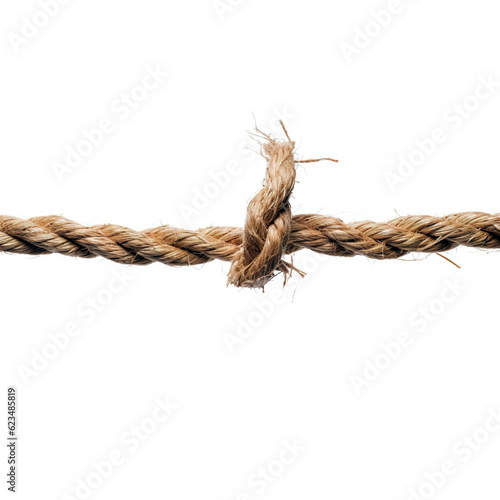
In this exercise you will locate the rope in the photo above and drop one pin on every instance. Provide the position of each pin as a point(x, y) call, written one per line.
point(257, 251)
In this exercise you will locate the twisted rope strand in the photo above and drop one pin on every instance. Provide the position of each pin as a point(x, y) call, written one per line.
point(255, 251)
point(183, 247)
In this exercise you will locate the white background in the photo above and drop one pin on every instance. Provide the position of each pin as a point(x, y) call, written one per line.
point(165, 334)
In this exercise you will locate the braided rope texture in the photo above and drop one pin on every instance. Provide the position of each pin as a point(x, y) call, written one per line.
point(257, 251)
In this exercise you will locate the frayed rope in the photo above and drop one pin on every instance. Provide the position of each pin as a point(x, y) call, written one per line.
point(257, 251)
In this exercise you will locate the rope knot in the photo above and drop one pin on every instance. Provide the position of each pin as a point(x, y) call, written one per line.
point(268, 221)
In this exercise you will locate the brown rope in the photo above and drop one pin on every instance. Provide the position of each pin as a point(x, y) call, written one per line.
point(270, 232)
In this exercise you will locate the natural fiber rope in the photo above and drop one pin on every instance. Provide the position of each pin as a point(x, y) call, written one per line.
point(270, 232)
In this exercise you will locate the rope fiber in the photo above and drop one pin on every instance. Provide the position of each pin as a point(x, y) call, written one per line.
point(270, 232)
